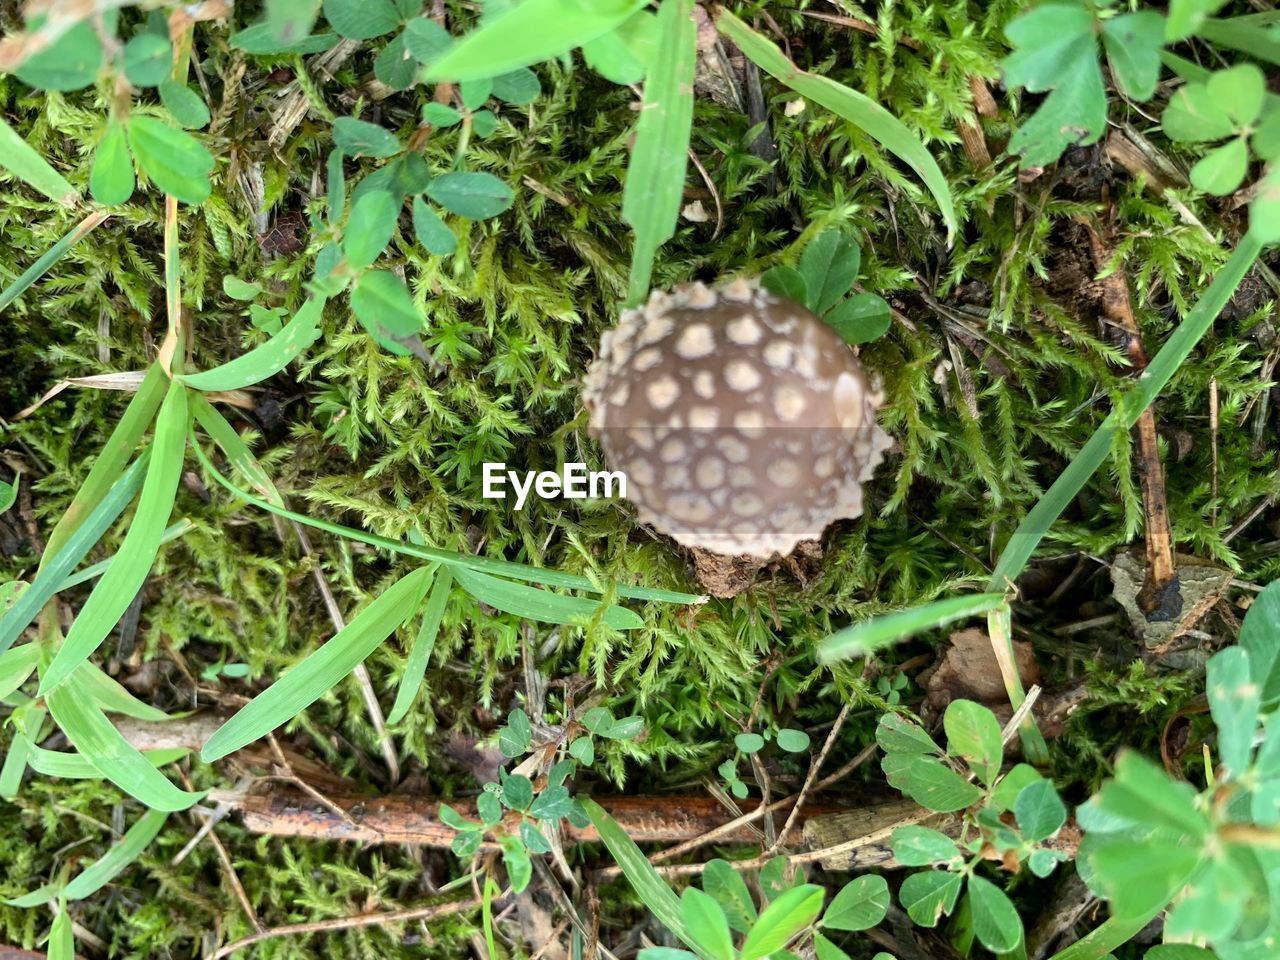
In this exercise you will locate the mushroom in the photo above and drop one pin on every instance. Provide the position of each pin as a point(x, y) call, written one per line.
point(743, 423)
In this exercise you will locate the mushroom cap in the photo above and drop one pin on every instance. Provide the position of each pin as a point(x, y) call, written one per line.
point(743, 422)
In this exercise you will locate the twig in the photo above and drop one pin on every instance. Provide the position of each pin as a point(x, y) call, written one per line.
point(812, 774)
point(228, 867)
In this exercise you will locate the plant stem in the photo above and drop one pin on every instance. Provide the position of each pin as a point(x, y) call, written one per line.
point(51, 256)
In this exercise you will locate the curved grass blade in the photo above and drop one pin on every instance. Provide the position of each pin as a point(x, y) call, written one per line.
point(503, 568)
point(234, 448)
point(16, 665)
point(49, 258)
point(95, 570)
point(311, 679)
point(654, 185)
point(266, 359)
point(24, 162)
point(541, 605)
point(53, 573)
point(118, 858)
point(122, 581)
point(112, 458)
point(533, 31)
point(99, 742)
point(849, 104)
point(62, 941)
point(72, 766)
point(879, 632)
point(114, 698)
point(420, 655)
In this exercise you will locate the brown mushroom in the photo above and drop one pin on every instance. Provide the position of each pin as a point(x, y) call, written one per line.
point(743, 423)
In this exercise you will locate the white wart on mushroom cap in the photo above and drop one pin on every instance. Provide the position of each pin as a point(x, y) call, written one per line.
point(743, 422)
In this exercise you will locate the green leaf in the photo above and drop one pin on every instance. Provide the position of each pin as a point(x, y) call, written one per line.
point(420, 654)
point(583, 750)
point(896, 734)
point(1240, 90)
point(516, 859)
point(433, 233)
point(361, 19)
point(1139, 877)
point(793, 741)
point(938, 787)
point(553, 803)
point(99, 742)
point(1179, 951)
point(1222, 169)
point(791, 912)
point(1195, 116)
point(826, 950)
point(122, 581)
point(16, 666)
point(1013, 783)
point(62, 942)
point(175, 161)
point(654, 187)
point(974, 733)
point(72, 766)
point(184, 104)
point(440, 115)
point(1243, 34)
point(1042, 862)
point(649, 887)
point(72, 62)
point(302, 685)
point(24, 162)
point(729, 890)
point(533, 838)
point(995, 919)
point(1143, 793)
point(1264, 212)
point(9, 493)
point(598, 719)
point(1039, 810)
point(1133, 42)
point(1185, 18)
point(111, 180)
point(786, 282)
point(664, 953)
point(850, 105)
point(148, 59)
point(917, 846)
point(749, 742)
point(518, 87)
point(116, 860)
point(289, 21)
point(879, 632)
point(542, 605)
point(259, 41)
point(860, 905)
point(451, 818)
point(860, 319)
point(234, 448)
point(266, 359)
point(359, 138)
point(1234, 698)
point(369, 228)
point(382, 303)
point(829, 266)
point(395, 66)
point(707, 923)
point(112, 697)
point(489, 807)
point(627, 728)
point(426, 40)
point(1258, 635)
point(533, 31)
point(623, 55)
point(1212, 905)
point(929, 896)
point(517, 791)
point(239, 289)
point(516, 738)
point(472, 195)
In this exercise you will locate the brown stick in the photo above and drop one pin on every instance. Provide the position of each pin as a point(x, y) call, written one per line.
point(1159, 598)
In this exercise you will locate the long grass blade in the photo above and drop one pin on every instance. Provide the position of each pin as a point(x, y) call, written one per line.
point(502, 568)
point(49, 258)
point(850, 105)
point(93, 878)
point(874, 634)
point(112, 697)
point(534, 604)
point(415, 669)
point(72, 766)
point(311, 679)
point(53, 572)
point(24, 162)
point(16, 665)
point(112, 458)
point(655, 175)
point(122, 581)
point(266, 359)
point(98, 741)
point(234, 448)
point(95, 570)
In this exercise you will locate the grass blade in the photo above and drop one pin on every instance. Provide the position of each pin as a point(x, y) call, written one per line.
point(311, 679)
point(122, 581)
point(99, 742)
point(234, 448)
point(72, 766)
point(1017, 552)
point(49, 258)
point(24, 162)
point(530, 33)
point(95, 570)
point(117, 859)
point(62, 940)
point(416, 667)
point(266, 359)
point(847, 103)
point(652, 890)
point(114, 698)
point(878, 632)
point(16, 665)
point(53, 572)
point(655, 175)
point(503, 568)
point(112, 458)
point(541, 605)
